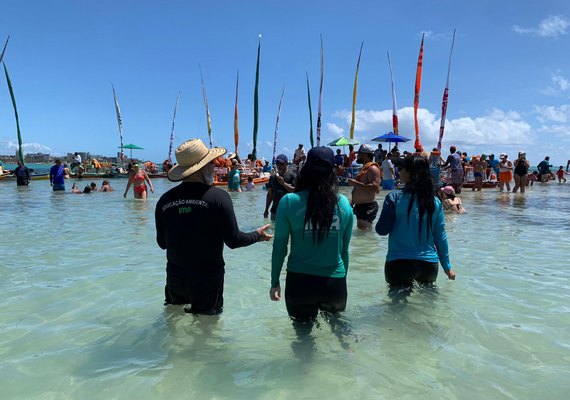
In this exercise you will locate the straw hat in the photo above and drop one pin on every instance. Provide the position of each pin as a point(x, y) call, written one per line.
point(192, 156)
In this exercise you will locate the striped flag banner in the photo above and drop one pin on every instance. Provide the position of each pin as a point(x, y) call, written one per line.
point(445, 96)
point(277, 125)
point(119, 121)
point(394, 106)
point(172, 130)
point(207, 108)
point(353, 120)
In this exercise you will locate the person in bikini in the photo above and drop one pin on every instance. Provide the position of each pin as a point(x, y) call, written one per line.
point(137, 178)
point(366, 186)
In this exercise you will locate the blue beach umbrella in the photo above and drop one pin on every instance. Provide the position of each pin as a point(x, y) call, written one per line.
point(391, 137)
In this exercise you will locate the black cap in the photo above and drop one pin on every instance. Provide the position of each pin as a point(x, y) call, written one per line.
point(281, 158)
point(320, 158)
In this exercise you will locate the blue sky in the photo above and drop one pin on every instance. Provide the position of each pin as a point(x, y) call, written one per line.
point(509, 89)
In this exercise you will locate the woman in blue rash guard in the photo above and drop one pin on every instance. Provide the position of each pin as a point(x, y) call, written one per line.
point(413, 219)
point(318, 221)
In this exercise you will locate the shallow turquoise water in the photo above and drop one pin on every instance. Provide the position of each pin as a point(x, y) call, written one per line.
point(82, 314)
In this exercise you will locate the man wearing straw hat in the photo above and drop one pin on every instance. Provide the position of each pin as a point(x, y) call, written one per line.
point(193, 222)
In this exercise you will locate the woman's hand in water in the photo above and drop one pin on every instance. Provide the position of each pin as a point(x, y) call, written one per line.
point(264, 235)
point(450, 274)
point(275, 293)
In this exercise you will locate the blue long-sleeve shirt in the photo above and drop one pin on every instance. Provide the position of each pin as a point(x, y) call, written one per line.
point(327, 258)
point(56, 175)
point(404, 242)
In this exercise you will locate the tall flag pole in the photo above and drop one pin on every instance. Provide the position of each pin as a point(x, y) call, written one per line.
point(394, 106)
point(4, 49)
point(207, 108)
point(9, 82)
point(310, 114)
point(256, 102)
point(277, 125)
point(418, 144)
point(352, 123)
point(119, 121)
point(319, 112)
point(445, 97)
point(236, 130)
point(172, 130)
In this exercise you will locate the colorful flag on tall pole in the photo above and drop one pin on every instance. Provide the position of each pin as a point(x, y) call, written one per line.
point(445, 97)
point(207, 108)
point(353, 120)
point(9, 82)
point(310, 114)
point(4, 49)
point(418, 144)
point(172, 130)
point(277, 125)
point(119, 121)
point(236, 130)
point(320, 100)
point(256, 103)
point(394, 105)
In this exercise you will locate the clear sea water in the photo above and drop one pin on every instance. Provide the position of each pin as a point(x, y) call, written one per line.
point(82, 313)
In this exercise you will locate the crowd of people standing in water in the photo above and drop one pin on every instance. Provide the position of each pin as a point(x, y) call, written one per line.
point(313, 228)
point(313, 222)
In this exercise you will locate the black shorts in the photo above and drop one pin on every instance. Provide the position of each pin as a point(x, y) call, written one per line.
point(404, 272)
point(306, 294)
point(204, 292)
point(366, 211)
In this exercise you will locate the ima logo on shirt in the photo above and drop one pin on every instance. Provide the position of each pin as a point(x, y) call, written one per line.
point(335, 225)
point(184, 210)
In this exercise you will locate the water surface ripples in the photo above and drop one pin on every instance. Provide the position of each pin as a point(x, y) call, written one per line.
point(82, 314)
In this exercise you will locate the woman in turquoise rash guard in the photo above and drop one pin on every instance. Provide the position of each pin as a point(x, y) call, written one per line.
point(319, 222)
point(413, 219)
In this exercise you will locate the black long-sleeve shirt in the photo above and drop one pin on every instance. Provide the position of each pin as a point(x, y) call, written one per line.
point(193, 221)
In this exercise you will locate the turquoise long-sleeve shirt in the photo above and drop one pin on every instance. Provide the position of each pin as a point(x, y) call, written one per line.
point(327, 258)
point(404, 243)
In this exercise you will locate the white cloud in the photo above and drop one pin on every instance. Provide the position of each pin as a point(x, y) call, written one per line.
point(497, 128)
point(9, 147)
point(552, 26)
point(559, 84)
point(554, 114)
point(334, 128)
point(433, 36)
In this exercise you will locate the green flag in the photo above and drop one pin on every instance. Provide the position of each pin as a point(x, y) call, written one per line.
point(20, 152)
point(310, 113)
point(256, 103)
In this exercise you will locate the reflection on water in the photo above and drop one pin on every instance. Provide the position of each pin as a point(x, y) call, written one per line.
point(83, 286)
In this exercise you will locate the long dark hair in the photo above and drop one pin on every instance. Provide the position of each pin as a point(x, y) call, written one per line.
point(421, 188)
point(322, 200)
